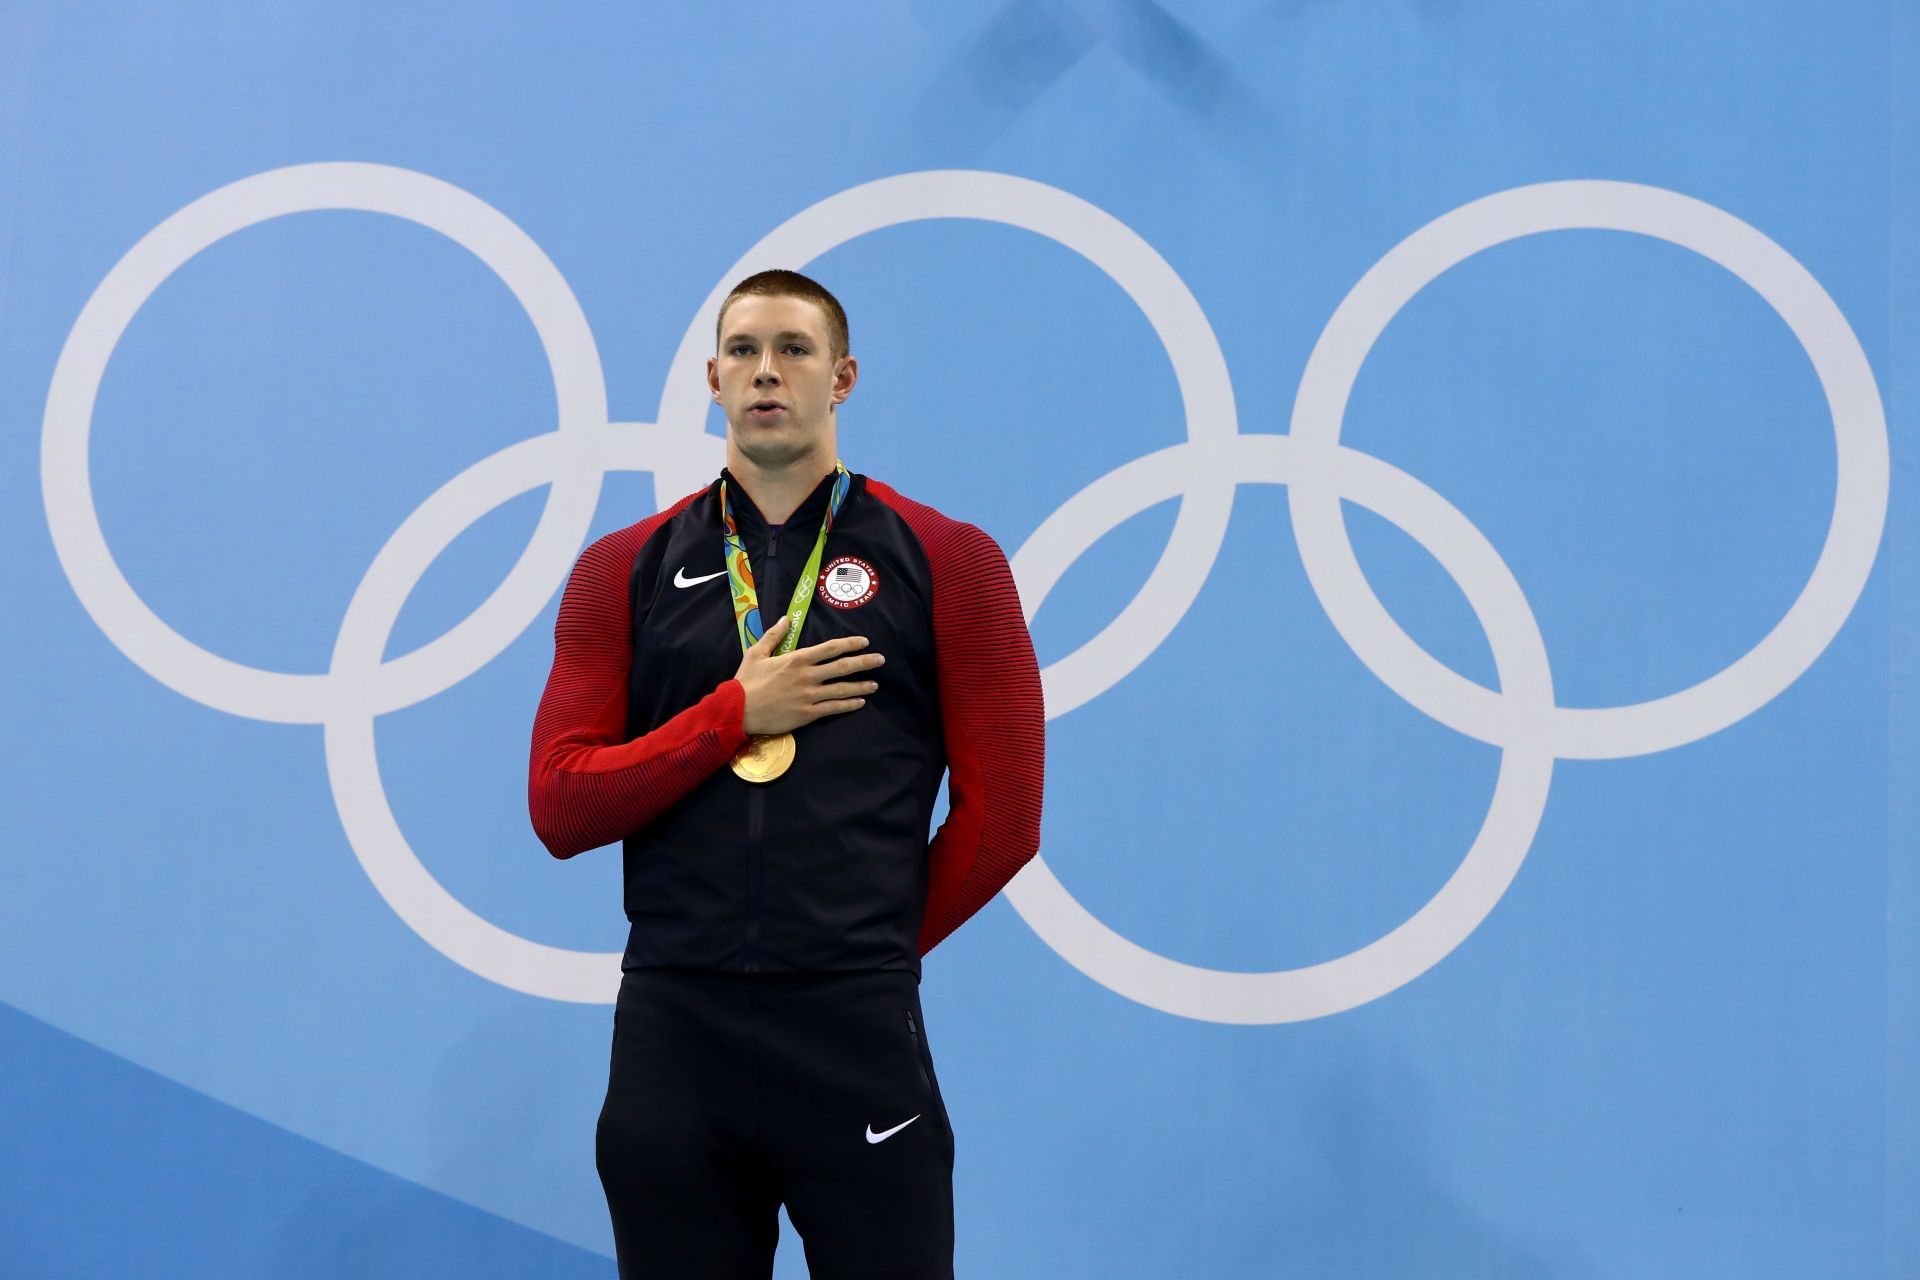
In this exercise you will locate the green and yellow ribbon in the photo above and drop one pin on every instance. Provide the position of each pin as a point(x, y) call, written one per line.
point(746, 601)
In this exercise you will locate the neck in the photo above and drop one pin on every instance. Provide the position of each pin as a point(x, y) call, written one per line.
point(778, 491)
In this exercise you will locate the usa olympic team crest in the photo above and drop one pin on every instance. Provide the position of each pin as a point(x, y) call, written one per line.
point(848, 582)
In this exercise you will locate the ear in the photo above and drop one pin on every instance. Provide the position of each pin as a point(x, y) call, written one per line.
point(713, 377)
point(844, 377)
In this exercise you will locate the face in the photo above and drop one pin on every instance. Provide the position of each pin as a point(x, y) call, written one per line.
point(777, 379)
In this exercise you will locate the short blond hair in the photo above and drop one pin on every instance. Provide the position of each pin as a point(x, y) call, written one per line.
point(778, 283)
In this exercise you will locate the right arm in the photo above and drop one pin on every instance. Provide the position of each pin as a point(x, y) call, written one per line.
point(587, 784)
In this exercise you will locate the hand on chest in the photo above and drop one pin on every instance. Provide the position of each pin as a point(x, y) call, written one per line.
point(686, 634)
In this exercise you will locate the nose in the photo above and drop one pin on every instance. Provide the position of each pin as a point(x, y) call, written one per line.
point(766, 374)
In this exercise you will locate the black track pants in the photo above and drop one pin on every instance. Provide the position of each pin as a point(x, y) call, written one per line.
point(731, 1094)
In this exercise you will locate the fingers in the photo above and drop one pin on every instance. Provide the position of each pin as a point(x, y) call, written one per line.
point(844, 689)
point(770, 637)
point(821, 709)
point(848, 666)
point(829, 649)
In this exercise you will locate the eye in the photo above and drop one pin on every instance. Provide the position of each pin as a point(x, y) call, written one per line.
point(739, 349)
point(796, 348)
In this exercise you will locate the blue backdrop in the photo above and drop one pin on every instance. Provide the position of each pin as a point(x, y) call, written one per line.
point(1444, 450)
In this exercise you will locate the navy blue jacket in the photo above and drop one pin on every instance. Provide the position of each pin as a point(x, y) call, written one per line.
point(827, 867)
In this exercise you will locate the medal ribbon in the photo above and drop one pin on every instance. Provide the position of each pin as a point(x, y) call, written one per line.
point(746, 601)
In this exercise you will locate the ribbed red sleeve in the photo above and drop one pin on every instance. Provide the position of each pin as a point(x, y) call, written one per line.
point(587, 785)
point(994, 722)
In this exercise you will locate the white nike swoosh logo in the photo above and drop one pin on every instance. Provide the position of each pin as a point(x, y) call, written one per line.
point(680, 578)
point(882, 1137)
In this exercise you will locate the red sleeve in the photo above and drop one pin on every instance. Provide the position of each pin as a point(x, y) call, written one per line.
point(587, 785)
point(991, 710)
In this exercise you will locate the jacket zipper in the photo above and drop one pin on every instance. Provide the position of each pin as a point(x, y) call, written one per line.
point(757, 796)
point(756, 804)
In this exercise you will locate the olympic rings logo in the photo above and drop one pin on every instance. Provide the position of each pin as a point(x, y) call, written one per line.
point(1520, 717)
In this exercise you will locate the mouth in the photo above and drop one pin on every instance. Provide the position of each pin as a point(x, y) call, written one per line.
point(766, 408)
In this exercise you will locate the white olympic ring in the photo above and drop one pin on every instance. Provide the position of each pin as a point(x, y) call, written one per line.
point(1521, 717)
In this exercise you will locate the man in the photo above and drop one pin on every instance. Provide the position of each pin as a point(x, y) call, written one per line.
point(772, 787)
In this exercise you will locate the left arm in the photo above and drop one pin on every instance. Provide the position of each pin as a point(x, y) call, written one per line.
point(994, 725)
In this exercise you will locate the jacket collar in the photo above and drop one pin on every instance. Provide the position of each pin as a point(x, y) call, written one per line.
point(812, 508)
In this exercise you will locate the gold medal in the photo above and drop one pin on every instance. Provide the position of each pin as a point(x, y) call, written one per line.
point(764, 758)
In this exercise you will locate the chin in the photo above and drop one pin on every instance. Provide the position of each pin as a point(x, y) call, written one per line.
point(769, 452)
